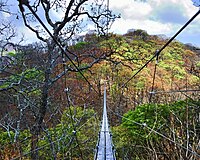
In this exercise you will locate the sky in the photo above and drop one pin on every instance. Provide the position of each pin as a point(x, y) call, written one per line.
point(158, 17)
point(155, 16)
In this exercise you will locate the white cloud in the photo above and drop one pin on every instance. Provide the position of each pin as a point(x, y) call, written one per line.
point(57, 15)
point(154, 16)
point(29, 36)
point(6, 15)
point(121, 26)
point(131, 9)
point(144, 15)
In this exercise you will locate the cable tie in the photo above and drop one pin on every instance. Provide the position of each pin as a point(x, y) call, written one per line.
point(144, 124)
point(66, 90)
point(157, 55)
point(156, 61)
point(152, 92)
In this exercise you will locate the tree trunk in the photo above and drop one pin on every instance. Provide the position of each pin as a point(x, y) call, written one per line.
point(42, 110)
point(34, 143)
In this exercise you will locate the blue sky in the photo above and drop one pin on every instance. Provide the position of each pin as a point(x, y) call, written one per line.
point(158, 17)
point(154, 16)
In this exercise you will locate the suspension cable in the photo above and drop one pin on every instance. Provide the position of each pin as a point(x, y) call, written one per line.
point(144, 125)
point(59, 45)
point(69, 106)
point(159, 51)
point(65, 136)
point(154, 77)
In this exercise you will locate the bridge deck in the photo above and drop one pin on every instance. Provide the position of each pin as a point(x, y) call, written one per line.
point(105, 149)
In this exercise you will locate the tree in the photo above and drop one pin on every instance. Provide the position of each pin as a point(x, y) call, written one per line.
point(160, 131)
point(36, 102)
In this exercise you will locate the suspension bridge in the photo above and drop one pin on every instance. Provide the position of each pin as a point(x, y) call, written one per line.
point(105, 148)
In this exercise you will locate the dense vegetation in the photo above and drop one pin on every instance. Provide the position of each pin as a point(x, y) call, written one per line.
point(159, 131)
point(167, 127)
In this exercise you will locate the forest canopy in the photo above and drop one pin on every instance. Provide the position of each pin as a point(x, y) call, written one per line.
point(51, 91)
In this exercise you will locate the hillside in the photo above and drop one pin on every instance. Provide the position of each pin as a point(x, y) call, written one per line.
point(177, 69)
point(73, 107)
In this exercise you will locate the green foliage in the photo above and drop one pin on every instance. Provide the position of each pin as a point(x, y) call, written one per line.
point(114, 90)
point(150, 114)
point(140, 84)
point(153, 115)
point(179, 72)
point(7, 141)
point(139, 126)
point(64, 134)
point(6, 137)
point(128, 55)
point(11, 54)
point(80, 45)
point(62, 137)
point(175, 69)
point(198, 64)
point(78, 74)
point(32, 75)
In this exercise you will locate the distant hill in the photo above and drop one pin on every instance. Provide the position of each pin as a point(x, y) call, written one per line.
point(178, 67)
